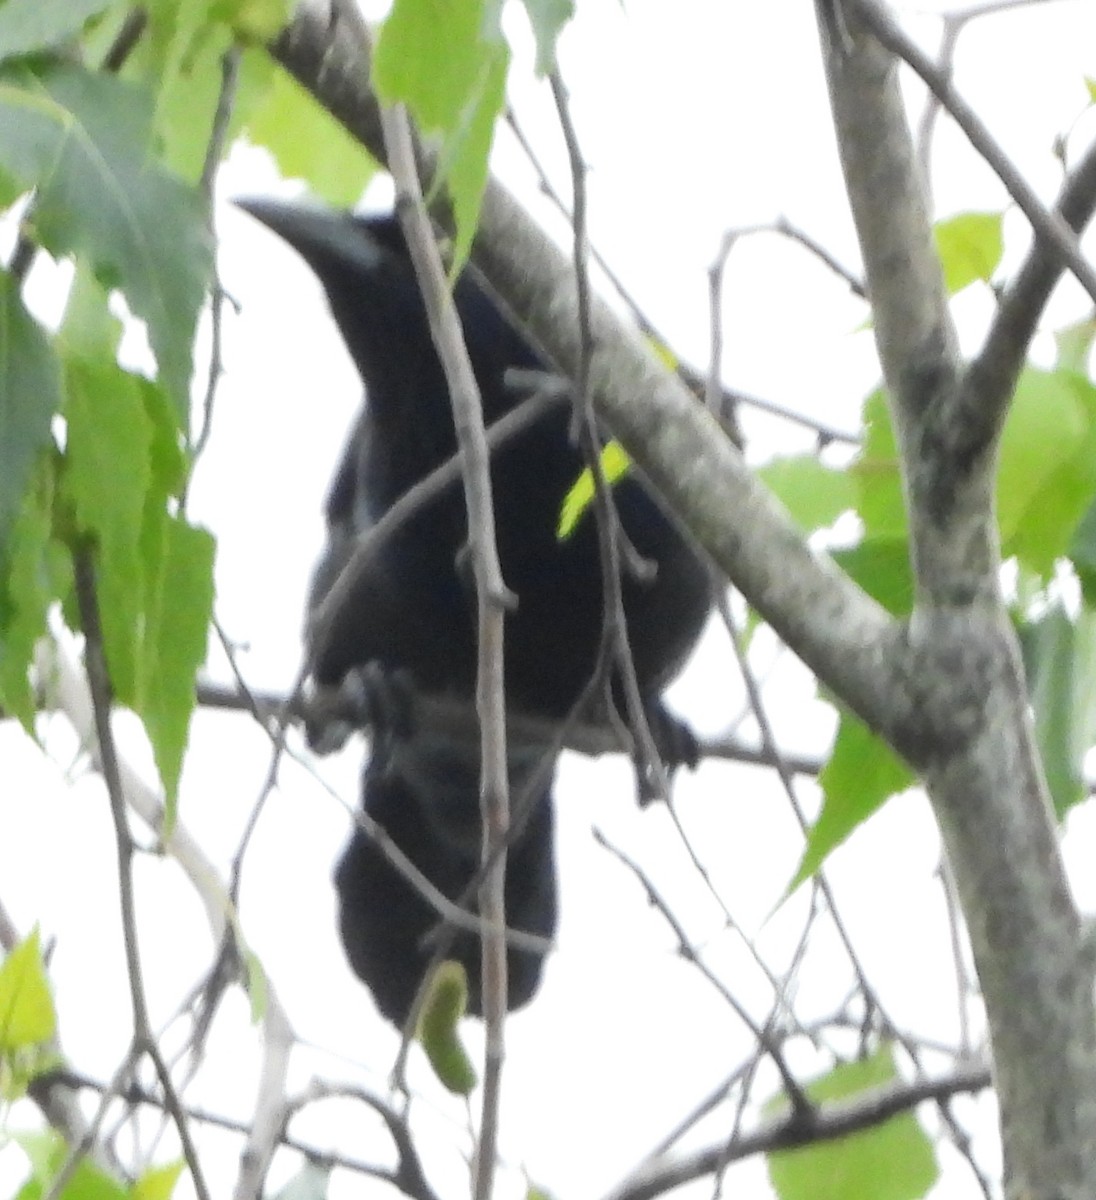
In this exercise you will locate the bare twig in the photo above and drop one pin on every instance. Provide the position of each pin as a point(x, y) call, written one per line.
point(409, 1176)
point(226, 97)
point(368, 544)
point(55, 665)
point(492, 600)
point(769, 743)
point(267, 1126)
point(143, 1040)
point(798, 1098)
point(612, 542)
point(445, 712)
point(730, 397)
point(826, 1123)
point(1049, 226)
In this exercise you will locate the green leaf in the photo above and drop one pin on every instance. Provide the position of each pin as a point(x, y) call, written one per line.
point(614, 466)
point(442, 1009)
point(82, 141)
point(27, 1017)
point(106, 479)
point(1074, 344)
point(970, 247)
point(34, 570)
point(167, 458)
point(861, 774)
point(813, 494)
point(1046, 479)
point(1082, 553)
point(30, 395)
point(174, 645)
point(89, 329)
point(465, 157)
point(441, 59)
point(307, 142)
point(259, 21)
point(881, 501)
point(47, 1153)
point(891, 1161)
point(1090, 85)
point(548, 18)
point(429, 56)
point(181, 62)
point(881, 566)
point(157, 1183)
point(1060, 662)
point(123, 460)
point(28, 25)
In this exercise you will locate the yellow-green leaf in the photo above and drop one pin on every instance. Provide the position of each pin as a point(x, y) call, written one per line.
point(862, 773)
point(814, 495)
point(443, 1007)
point(27, 1017)
point(157, 1183)
point(614, 465)
point(891, 1161)
point(445, 61)
point(308, 143)
point(970, 247)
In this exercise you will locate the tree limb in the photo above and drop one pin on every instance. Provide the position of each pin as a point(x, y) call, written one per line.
point(822, 1124)
point(843, 635)
point(969, 728)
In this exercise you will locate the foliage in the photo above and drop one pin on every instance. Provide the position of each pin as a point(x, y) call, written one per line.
point(442, 1009)
point(48, 1154)
point(614, 466)
point(27, 1017)
point(94, 456)
point(893, 1161)
point(1046, 509)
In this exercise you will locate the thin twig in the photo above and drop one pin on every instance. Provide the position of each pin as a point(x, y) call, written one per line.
point(226, 97)
point(443, 712)
point(612, 542)
point(696, 382)
point(143, 1040)
point(768, 741)
point(492, 599)
point(403, 1177)
point(828, 1122)
point(1048, 225)
point(798, 1098)
point(367, 545)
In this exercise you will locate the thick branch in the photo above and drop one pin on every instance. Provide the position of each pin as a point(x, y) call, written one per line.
point(1049, 226)
point(970, 730)
point(491, 601)
point(991, 376)
point(947, 690)
point(838, 631)
point(823, 1124)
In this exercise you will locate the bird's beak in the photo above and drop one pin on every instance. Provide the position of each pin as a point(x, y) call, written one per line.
point(319, 235)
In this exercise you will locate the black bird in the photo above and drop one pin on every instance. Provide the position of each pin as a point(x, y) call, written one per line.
point(414, 610)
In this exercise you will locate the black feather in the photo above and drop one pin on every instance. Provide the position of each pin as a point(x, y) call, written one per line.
point(414, 612)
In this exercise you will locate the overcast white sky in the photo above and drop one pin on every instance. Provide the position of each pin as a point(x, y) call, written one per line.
point(713, 118)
